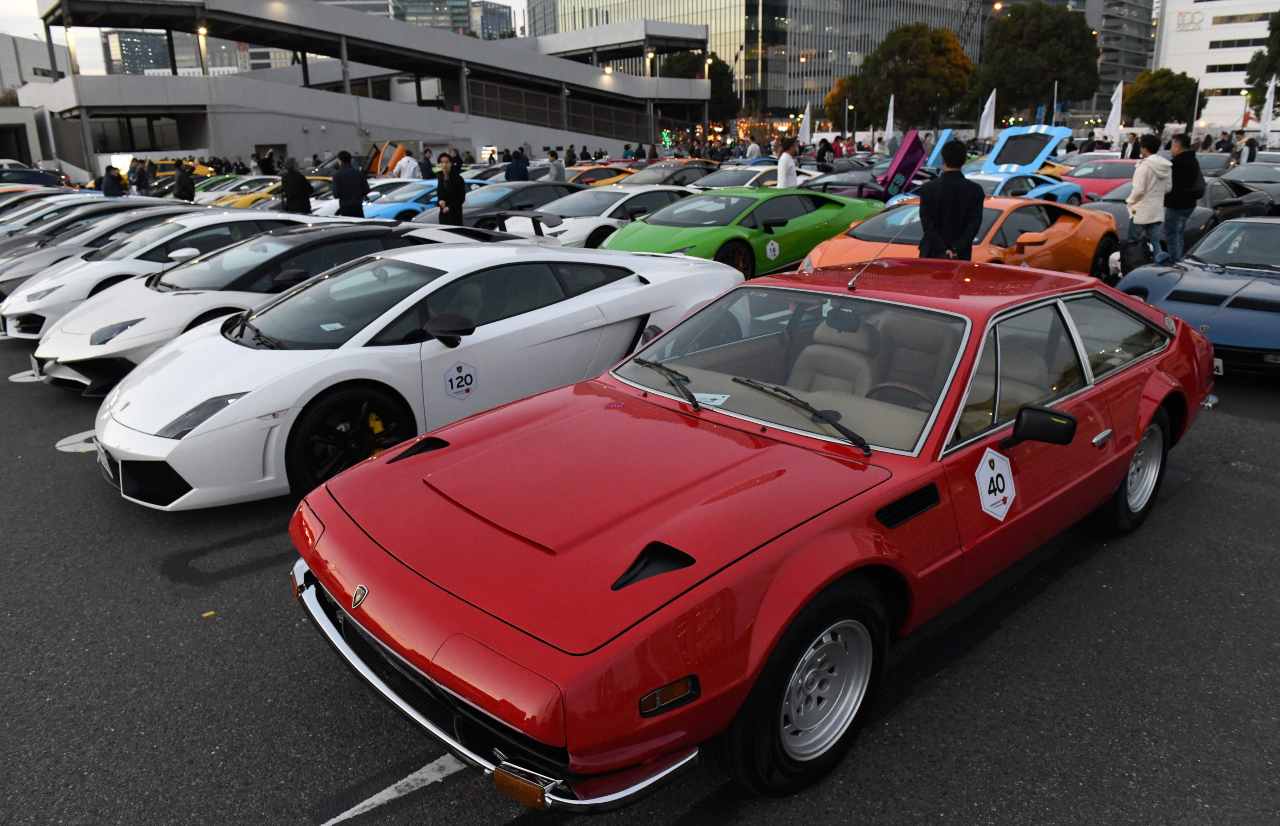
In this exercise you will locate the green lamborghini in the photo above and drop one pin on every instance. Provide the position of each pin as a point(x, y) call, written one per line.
point(758, 231)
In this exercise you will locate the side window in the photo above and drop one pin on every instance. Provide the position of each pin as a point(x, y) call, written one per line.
point(536, 196)
point(785, 208)
point(395, 242)
point(1023, 219)
point(769, 178)
point(312, 261)
point(646, 203)
point(688, 175)
point(1020, 185)
point(267, 226)
point(1216, 191)
point(1112, 337)
point(1038, 361)
point(979, 412)
point(499, 293)
point(579, 278)
point(203, 239)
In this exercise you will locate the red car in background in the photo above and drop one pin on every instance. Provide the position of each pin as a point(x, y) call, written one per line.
point(712, 546)
point(1097, 178)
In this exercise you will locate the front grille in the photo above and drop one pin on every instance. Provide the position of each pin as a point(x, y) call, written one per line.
point(152, 482)
point(475, 730)
point(1193, 297)
point(29, 324)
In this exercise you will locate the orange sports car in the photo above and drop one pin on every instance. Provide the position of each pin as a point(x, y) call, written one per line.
point(597, 174)
point(1040, 234)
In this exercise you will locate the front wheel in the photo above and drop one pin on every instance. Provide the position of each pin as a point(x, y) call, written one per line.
point(596, 238)
point(1136, 496)
point(1101, 266)
point(342, 428)
point(739, 256)
point(813, 694)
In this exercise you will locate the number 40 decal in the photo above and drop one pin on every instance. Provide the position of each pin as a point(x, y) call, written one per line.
point(996, 490)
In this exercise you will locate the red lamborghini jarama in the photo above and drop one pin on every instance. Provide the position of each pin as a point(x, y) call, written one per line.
point(711, 546)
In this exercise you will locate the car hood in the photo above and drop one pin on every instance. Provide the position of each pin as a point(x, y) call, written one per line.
point(842, 250)
point(555, 497)
point(1234, 308)
point(639, 236)
point(125, 301)
point(161, 388)
point(1024, 148)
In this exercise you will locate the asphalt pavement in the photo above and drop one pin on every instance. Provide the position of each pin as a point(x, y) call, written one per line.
point(154, 668)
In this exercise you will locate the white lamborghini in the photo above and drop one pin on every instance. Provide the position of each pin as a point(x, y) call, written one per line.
point(369, 354)
point(591, 215)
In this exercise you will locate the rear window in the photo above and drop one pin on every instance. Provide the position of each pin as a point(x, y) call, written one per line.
point(1115, 171)
point(1022, 149)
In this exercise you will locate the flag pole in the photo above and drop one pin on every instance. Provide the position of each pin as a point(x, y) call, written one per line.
point(1053, 117)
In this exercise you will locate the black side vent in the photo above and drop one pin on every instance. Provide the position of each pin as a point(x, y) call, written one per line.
point(1262, 305)
point(908, 507)
point(1193, 297)
point(419, 447)
point(655, 559)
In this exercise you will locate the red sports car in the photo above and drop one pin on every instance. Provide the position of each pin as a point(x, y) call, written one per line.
point(1097, 178)
point(712, 546)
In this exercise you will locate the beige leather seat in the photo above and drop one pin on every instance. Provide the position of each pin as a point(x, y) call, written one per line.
point(1024, 376)
point(918, 352)
point(837, 361)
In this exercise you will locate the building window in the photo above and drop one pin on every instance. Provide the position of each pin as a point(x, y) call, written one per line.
point(1226, 67)
point(1238, 44)
point(1225, 19)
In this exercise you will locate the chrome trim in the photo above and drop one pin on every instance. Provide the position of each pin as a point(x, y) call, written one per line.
point(1082, 355)
point(307, 594)
point(924, 431)
point(1102, 438)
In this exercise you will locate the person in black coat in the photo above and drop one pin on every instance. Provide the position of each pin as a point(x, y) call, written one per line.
point(518, 169)
point(112, 187)
point(184, 189)
point(1185, 190)
point(451, 191)
point(296, 189)
point(349, 187)
point(570, 157)
point(950, 209)
point(267, 163)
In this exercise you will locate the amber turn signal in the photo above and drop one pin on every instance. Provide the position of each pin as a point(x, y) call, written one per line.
point(521, 786)
point(683, 690)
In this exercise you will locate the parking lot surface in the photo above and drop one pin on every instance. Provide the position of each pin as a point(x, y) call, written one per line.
point(155, 669)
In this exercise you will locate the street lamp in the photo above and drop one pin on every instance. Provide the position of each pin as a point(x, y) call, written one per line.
point(608, 70)
point(997, 7)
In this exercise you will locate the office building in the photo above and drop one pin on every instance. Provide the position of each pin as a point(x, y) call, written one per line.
point(1213, 42)
point(454, 15)
point(490, 21)
point(1126, 45)
point(394, 9)
point(132, 52)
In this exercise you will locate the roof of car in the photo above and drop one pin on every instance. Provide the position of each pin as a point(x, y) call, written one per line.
point(1255, 219)
point(466, 256)
point(974, 290)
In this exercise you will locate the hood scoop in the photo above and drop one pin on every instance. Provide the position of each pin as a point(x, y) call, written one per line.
point(419, 447)
point(655, 559)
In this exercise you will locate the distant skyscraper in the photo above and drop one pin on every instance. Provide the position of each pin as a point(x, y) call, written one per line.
point(394, 9)
point(129, 52)
point(490, 20)
point(454, 15)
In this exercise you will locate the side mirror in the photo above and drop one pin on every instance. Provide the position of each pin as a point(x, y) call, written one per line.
point(449, 329)
point(184, 254)
point(1040, 424)
point(1031, 239)
point(285, 279)
point(774, 223)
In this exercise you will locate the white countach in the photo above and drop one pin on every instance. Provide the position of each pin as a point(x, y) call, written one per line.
point(369, 354)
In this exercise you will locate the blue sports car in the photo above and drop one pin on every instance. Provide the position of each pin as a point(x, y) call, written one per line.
point(1227, 286)
point(1028, 185)
point(405, 202)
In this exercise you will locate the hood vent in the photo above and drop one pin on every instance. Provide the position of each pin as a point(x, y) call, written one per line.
point(1193, 297)
point(655, 559)
point(419, 447)
point(1262, 305)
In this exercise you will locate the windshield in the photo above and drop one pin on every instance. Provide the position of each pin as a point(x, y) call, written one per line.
point(850, 178)
point(731, 177)
point(701, 211)
point(1240, 243)
point(1103, 170)
point(325, 312)
point(407, 193)
point(653, 175)
point(217, 270)
point(989, 185)
point(1257, 173)
point(486, 196)
point(783, 338)
point(78, 226)
point(127, 246)
point(901, 225)
point(588, 202)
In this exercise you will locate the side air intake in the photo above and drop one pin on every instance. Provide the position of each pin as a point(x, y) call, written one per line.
point(655, 559)
point(421, 446)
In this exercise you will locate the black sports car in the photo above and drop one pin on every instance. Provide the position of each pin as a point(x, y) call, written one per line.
point(483, 204)
point(1258, 175)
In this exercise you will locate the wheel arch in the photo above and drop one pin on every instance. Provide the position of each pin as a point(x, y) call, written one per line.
point(1163, 391)
point(109, 282)
point(321, 393)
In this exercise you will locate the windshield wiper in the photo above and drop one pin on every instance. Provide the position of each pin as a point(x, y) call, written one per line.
point(1249, 265)
point(262, 338)
point(830, 417)
point(678, 380)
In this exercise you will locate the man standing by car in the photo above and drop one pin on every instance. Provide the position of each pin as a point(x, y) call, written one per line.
point(557, 169)
point(296, 189)
point(950, 209)
point(1132, 149)
point(407, 167)
point(1146, 201)
point(1185, 190)
point(753, 148)
point(349, 187)
point(787, 164)
point(184, 189)
point(451, 191)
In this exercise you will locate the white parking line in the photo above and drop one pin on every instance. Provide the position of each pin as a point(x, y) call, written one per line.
point(433, 772)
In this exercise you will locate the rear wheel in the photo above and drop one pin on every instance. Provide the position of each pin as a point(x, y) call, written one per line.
point(739, 256)
point(813, 694)
point(1101, 266)
point(1136, 496)
point(342, 428)
point(596, 238)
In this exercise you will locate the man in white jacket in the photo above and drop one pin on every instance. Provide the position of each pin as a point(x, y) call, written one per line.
point(1151, 180)
point(407, 167)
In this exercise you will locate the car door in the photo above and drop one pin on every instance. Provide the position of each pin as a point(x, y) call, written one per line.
point(1010, 499)
point(785, 244)
point(530, 336)
point(1031, 218)
point(623, 299)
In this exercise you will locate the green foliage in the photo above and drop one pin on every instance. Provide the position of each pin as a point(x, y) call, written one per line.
point(924, 68)
point(1027, 48)
point(724, 103)
point(1264, 65)
point(1160, 97)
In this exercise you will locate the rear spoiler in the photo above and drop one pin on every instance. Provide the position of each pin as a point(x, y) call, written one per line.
point(538, 219)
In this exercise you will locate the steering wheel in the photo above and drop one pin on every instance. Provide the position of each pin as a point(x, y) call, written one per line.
point(916, 399)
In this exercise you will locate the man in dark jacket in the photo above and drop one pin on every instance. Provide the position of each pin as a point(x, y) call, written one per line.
point(296, 189)
point(1186, 189)
point(950, 209)
point(111, 184)
point(518, 169)
point(184, 189)
point(349, 187)
point(268, 163)
point(451, 191)
point(570, 157)
point(1131, 149)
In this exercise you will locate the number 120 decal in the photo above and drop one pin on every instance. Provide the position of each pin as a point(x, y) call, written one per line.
point(460, 380)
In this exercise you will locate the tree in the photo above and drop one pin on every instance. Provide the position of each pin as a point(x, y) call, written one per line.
point(924, 68)
point(724, 103)
point(1160, 97)
point(1026, 49)
point(844, 92)
point(1264, 65)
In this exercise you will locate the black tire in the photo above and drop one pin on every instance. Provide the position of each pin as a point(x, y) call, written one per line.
point(338, 429)
point(739, 256)
point(752, 749)
point(210, 315)
point(1119, 516)
point(596, 238)
point(1101, 266)
point(1073, 200)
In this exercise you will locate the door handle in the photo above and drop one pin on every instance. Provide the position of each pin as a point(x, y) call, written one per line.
point(1102, 438)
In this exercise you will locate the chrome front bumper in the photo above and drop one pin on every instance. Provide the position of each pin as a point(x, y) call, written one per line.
point(556, 793)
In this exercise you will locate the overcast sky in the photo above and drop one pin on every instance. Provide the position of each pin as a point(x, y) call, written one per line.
point(19, 17)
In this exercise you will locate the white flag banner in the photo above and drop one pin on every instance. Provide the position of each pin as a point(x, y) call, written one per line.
point(1268, 106)
point(888, 124)
point(806, 129)
point(1112, 129)
point(987, 123)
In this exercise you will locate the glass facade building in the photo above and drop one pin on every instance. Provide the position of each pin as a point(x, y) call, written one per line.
point(491, 20)
point(784, 53)
point(454, 15)
point(132, 52)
